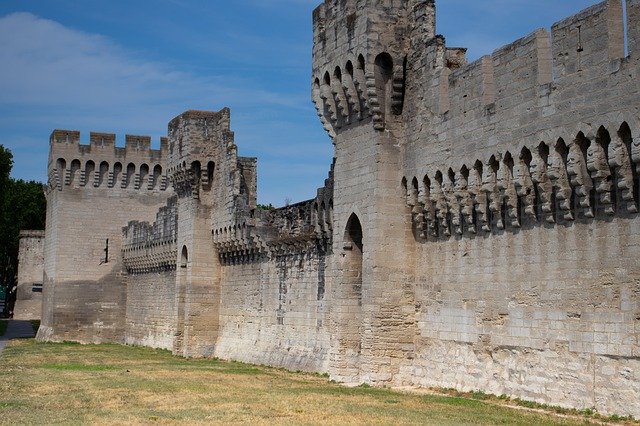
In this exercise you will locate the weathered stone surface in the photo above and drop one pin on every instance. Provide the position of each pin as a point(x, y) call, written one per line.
point(478, 228)
point(28, 304)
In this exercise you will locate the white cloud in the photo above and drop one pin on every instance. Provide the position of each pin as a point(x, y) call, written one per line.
point(45, 63)
point(57, 77)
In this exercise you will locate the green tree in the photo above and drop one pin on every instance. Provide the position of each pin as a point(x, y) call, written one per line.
point(22, 206)
point(6, 163)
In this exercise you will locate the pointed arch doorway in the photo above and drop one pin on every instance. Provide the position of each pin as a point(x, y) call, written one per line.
point(349, 324)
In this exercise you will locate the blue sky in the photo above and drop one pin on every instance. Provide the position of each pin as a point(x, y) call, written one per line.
point(130, 66)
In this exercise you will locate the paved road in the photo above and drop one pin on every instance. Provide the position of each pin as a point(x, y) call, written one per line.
point(16, 329)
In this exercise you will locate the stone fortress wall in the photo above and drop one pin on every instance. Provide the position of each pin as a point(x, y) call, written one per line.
point(93, 191)
point(478, 228)
point(28, 304)
point(529, 192)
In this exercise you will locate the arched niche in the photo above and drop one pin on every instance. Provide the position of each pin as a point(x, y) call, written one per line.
point(353, 246)
point(184, 257)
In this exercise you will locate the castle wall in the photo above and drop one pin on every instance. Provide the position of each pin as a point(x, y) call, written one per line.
point(150, 256)
point(94, 190)
point(274, 312)
point(509, 99)
point(369, 281)
point(150, 310)
point(548, 314)
point(30, 273)
point(519, 176)
point(197, 285)
point(479, 229)
point(526, 274)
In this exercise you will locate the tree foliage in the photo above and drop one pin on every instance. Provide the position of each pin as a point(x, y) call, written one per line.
point(22, 206)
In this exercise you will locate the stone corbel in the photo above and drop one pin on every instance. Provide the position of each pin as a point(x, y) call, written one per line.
point(620, 162)
point(579, 178)
point(599, 170)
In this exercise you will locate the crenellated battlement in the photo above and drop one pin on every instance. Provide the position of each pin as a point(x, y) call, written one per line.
point(152, 247)
point(359, 58)
point(586, 46)
point(590, 175)
point(198, 142)
point(291, 229)
point(359, 73)
point(136, 143)
point(101, 164)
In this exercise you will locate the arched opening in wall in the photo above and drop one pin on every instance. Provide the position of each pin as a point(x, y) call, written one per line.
point(89, 169)
point(157, 175)
point(184, 257)
point(74, 171)
point(103, 173)
point(531, 194)
point(196, 169)
point(405, 190)
point(144, 175)
point(359, 81)
point(349, 68)
point(117, 175)
point(468, 218)
point(426, 199)
point(539, 171)
point(415, 190)
point(383, 73)
point(603, 140)
point(320, 101)
point(327, 96)
point(440, 205)
point(627, 140)
point(337, 73)
point(582, 143)
point(475, 184)
point(211, 168)
point(131, 171)
point(568, 197)
point(343, 109)
point(179, 342)
point(351, 291)
point(361, 63)
point(494, 166)
point(454, 213)
point(61, 168)
point(507, 202)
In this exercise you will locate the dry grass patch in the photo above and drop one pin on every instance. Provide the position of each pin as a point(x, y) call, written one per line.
point(70, 383)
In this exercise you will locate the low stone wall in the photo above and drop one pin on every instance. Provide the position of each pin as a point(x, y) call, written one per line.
point(30, 275)
point(151, 314)
point(274, 313)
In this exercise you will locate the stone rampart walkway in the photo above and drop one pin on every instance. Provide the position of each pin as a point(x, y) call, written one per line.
point(16, 329)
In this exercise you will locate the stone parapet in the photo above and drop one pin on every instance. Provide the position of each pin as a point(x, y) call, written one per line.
point(152, 247)
point(101, 164)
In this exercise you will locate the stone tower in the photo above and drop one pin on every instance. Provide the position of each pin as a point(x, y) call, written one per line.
point(212, 186)
point(359, 71)
point(93, 191)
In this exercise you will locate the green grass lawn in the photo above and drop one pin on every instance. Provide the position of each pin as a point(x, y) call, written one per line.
point(70, 383)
